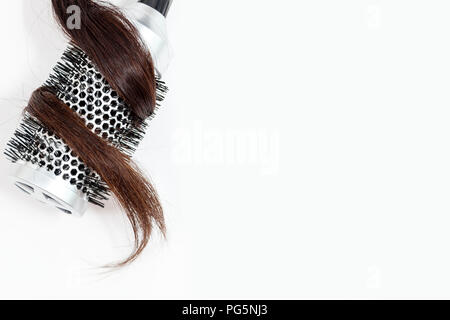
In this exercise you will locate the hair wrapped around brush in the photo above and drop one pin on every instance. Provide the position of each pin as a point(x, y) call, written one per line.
point(96, 104)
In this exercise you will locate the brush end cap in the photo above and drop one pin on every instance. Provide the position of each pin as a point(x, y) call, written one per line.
point(44, 186)
point(162, 6)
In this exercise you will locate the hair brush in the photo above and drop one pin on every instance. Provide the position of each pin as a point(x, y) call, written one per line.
point(80, 129)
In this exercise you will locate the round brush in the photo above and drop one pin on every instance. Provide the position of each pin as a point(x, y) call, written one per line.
point(46, 168)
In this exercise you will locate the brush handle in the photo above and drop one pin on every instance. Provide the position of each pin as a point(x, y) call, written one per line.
point(162, 6)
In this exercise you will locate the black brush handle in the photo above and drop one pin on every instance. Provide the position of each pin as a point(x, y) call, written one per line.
point(162, 6)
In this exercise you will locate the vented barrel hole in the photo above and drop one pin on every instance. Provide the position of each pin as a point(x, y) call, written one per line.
point(25, 188)
point(50, 199)
point(64, 210)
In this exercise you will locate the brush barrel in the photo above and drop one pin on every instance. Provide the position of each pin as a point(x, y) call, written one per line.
point(149, 18)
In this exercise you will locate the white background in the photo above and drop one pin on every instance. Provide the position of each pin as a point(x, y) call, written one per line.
point(302, 152)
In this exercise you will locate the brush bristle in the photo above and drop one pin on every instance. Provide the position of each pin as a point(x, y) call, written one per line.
point(77, 82)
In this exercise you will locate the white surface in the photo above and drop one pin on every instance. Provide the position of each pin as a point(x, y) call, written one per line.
point(303, 152)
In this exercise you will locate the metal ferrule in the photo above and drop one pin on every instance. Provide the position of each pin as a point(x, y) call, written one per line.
point(153, 29)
